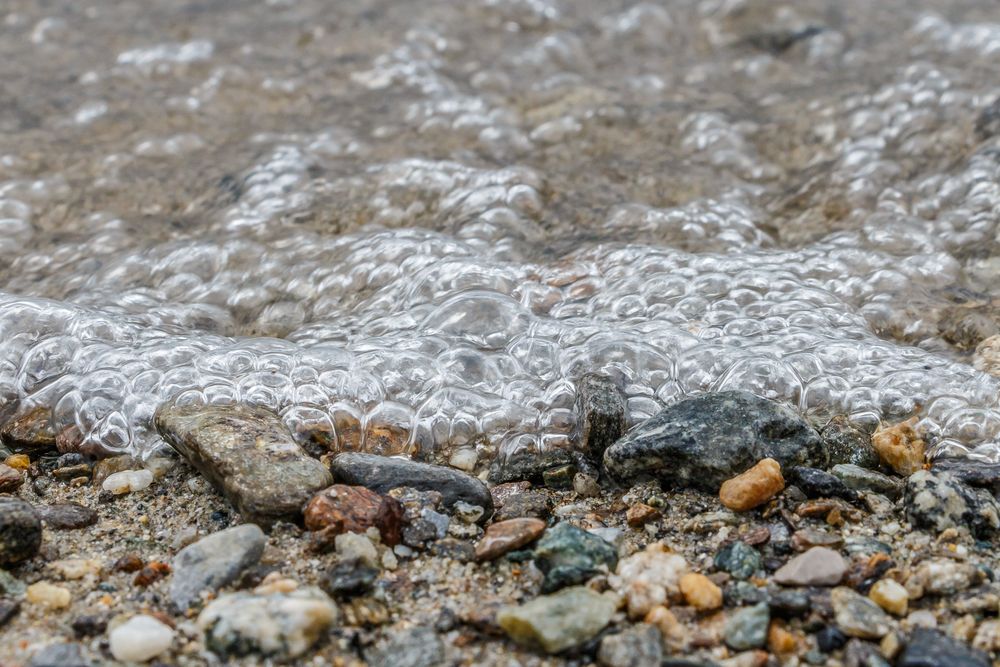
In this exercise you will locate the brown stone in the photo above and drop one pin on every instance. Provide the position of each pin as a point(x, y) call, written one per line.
point(900, 447)
point(754, 487)
point(508, 535)
point(67, 516)
point(699, 592)
point(640, 514)
point(354, 509)
point(11, 479)
point(31, 430)
point(779, 640)
point(151, 574)
point(130, 562)
point(810, 537)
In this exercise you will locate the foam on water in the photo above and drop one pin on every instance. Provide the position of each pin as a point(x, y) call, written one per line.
point(412, 231)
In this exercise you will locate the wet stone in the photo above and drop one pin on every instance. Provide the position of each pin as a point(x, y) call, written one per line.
point(349, 578)
point(701, 442)
point(849, 443)
point(818, 566)
point(413, 647)
point(110, 466)
point(857, 616)
point(29, 431)
point(940, 501)
point(354, 509)
point(971, 472)
point(817, 483)
point(738, 559)
point(930, 648)
point(382, 474)
point(900, 447)
point(559, 621)
point(213, 562)
point(248, 454)
point(530, 465)
point(600, 405)
point(747, 628)
point(67, 516)
point(638, 646)
point(506, 536)
point(861, 479)
point(560, 477)
point(20, 531)
point(569, 555)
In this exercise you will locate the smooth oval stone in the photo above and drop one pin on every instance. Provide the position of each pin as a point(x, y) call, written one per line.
point(214, 561)
point(67, 516)
point(20, 530)
point(818, 566)
point(248, 454)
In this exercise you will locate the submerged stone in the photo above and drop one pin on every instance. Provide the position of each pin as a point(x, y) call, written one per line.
point(559, 621)
point(861, 479)
point(701, 442)
point(248, 454)
point(848, 443)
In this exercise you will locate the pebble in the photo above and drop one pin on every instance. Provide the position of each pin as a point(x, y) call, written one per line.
point(939, 501)
point(600, 404)
point(20, 530)
point(48, 595)
point(76, 568)
point(109, 466)
point(354, 509)
point(700, 592)
point(585, 485)
point(861, 479)
point(829, 639)
point(857, 616)
point(127, 481)
point(248, 454)
point(67, 516)
point(747, 628)
point(464, 458)
point(506, 536)
point(31, 430)
point(817, 483)
point(849, 444)
point(943, 576)
point(753, 487)
point(900, 447)
point(559, 621)
point(467, 513)
point(649, 578)
point(811, 537)
point(702, 441)
point(890, 595)
point(357, 547)
point(738, 559)
point(18, 461)
point(8, 609)
point(382, 474)
point(638, 646)
point(819, 566)
point(413, 647)
point(214, 561)
point(534, 504)
point(62, 654)
point(348, 578)
point(11, 479)
point(282, 625)
point(139, 639)
point(930, 648)
point(569, 555)
point(640, 514)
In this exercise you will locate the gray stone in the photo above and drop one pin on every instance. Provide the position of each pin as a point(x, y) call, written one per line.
point(248, 454)
point(214, 561)
point(817, 483)
point(600, 405)
point(701, 442)
point(858, 616)
point(818, 566)
point(638, 646)
point(20, 530)
point(940, 501)
point(67, 516)
point(849, 443)
point(747, 628)
point(559, 621)
point(738, 559)
point(59, 655)
point(862, 479)
point(569, 555)
point(414, 647)
point(382, 474)
point(931, 648)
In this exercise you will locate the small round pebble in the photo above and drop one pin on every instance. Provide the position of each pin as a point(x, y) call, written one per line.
point(127, 481)
point(140, 638)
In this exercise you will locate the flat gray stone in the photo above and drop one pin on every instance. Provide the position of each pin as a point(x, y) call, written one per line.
point(818, 566)
point(862, 479)
point(214, 561)
point(248, 454)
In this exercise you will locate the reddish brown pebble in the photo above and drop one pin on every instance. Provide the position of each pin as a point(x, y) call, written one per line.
point(151, 573)
point(354, 509)
point(11, 479)
point(640, 514)
point(128, 563)
point(757, 536)
point(754, 487)
point(508, 535)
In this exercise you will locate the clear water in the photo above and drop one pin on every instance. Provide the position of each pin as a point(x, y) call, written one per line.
point(427, 220)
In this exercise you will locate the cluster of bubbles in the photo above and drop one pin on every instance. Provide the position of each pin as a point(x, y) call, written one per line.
point(503, 199)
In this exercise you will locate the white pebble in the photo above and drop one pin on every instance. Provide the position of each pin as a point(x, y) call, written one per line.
point(355, 546)
point(127, 480)
point(464, 459)
point(140, 638)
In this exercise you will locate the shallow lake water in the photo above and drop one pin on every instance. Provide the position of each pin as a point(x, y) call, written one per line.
point(412, 226)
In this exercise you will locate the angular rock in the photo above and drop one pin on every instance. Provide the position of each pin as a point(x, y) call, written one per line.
point(29, 431)
point(600, 405)
point(861, 479)
point(931, 648)
point(648, 579)
point(753, 487)
point(857, 616)
point(67, 516)
point(747, 628)
point(20, 530)
point(349, 578)
point(559, 621)
point(354, 509)
point(738, 559)
point(248, 454)
point(900, 447)
point(940, 501)
point(638, 646)
point(848, 443)
point(140, 638)
point(700, 592)
point(530, 464)
point(534, 504)
point(506, 536)
point(382, 474)
point(701, 442)
point(818, 566)
point(569, 555)
point(817, 483)
point(279, 625)
point(413, 647)
point(11, 479)
point(214, 561)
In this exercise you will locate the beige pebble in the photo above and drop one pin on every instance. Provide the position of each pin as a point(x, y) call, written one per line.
point(891, 596)
point(754, 487)
point(699, 591)
point(48, 595)
point(75, 568)
point(900, 447)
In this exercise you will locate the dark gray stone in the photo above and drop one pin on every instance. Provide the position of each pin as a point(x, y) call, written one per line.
point(382, 474)
point(861, 479)
point(701, 442)
point(931, 648)
point(248, 454)
point(600, 406)
point(67, 516)
point(940, 501)
point(20, 530)
point(817, 483)
point(349, 578)
point(569, 555)
point(8, 610)
point(529, 464)
point(847, 442)
point(415, 647)
point(214, 561)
